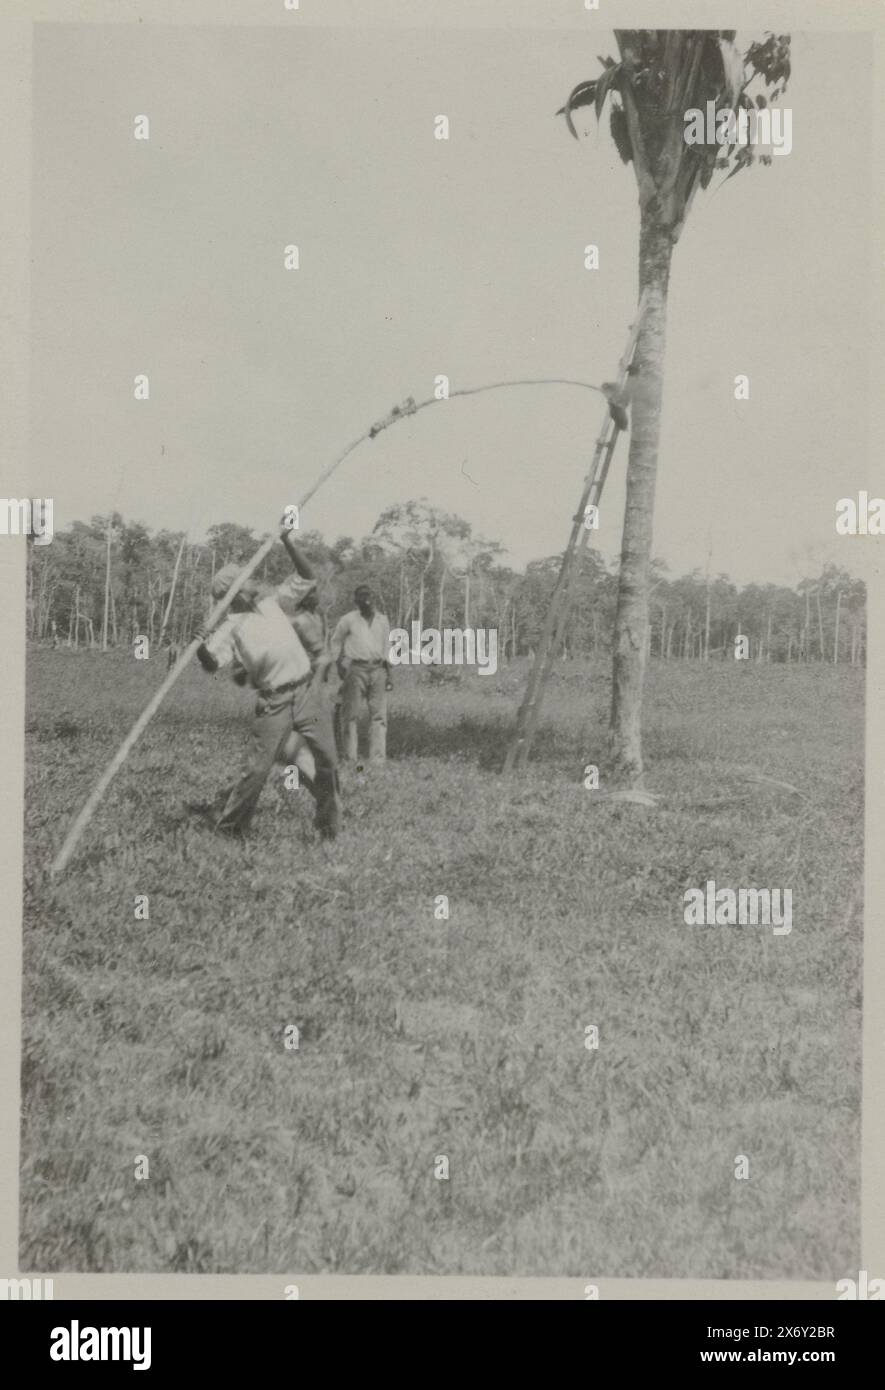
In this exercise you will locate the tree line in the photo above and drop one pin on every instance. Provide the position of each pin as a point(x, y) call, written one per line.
point(103, 583)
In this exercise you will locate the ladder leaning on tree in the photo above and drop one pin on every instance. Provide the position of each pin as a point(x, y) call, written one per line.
point(553, 630)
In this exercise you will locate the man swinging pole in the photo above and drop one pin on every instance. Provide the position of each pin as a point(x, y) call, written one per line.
point(291, 717)
point(78, 825)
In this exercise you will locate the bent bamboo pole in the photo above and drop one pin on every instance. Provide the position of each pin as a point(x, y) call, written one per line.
point(409, 407)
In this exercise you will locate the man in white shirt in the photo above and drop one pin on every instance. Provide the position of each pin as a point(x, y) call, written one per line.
point(312, 631)
point(291, 718)
point(360, 645)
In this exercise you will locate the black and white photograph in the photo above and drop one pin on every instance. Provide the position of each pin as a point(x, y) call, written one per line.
point(445, 543)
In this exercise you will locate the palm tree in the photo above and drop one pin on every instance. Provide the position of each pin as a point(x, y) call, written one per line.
point(662, 74)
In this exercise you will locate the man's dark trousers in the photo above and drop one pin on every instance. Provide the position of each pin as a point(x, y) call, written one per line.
point(276, 715)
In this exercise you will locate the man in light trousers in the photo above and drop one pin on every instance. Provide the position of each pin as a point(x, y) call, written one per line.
point(360, 645)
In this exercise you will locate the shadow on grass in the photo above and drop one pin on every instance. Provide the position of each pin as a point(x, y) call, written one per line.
point(483, 742)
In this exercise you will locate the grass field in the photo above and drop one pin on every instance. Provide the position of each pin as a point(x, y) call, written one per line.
point(462, 1038)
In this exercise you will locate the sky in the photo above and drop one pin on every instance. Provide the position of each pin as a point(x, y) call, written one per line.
point(421, 257)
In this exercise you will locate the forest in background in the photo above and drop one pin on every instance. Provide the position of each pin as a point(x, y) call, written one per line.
point(103, 583)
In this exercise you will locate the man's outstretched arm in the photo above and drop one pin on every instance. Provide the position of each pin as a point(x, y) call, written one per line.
point(297, 556)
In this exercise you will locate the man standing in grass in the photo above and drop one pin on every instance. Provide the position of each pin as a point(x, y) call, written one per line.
point(259, 639)
point(360, 647)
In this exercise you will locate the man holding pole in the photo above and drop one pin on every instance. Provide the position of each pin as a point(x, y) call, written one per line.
point(290, 713)
point(310, 625)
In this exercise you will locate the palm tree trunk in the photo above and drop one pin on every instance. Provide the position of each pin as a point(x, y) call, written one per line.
point(631, 618)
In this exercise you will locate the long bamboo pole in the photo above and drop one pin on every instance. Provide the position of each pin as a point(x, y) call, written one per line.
point(399, 412)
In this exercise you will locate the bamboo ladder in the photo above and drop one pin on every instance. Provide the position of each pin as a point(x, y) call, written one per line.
point(553, 630)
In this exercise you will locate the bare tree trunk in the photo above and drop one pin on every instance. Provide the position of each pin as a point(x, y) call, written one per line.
point(807, 626)
point(631, 618)
point(43, 603)
point(165, 621)
point(420, 607)
point(107, 587)
point(836, 629)
point(855, 661)
point(77, 619)
point(114, 617)
point(29, 592)
point(467, 599)
point(707, 625)
point(820, 626)
point(153, 609)
point(442, 594)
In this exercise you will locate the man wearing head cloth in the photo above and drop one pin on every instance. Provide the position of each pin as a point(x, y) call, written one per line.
point(292, 721)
